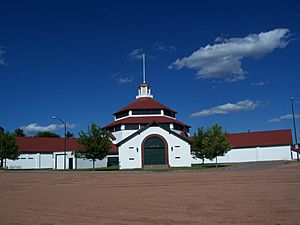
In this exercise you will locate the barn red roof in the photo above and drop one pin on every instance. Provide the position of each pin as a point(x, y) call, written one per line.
point(145, 119)
point(261, 138)
point(144, 103)
point(41, 144)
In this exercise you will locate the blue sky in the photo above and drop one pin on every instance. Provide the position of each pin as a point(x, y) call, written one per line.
point(234, 63)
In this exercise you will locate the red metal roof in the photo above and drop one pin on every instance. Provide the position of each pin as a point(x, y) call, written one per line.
point(145, 119)
point(144, 103)
point(41, 144)
point(261, 138)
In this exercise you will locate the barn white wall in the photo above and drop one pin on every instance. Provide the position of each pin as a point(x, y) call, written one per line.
point(295, 155)
point(31, 161)
point(122, 134)
point(58, 160)
point(252, 155)
point(83, 163)
point(130, 153)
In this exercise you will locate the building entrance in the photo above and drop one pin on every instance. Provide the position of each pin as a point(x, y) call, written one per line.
point(154, 151)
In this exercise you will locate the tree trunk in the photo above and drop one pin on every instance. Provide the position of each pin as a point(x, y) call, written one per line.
point(1, 166)
point(202, 161)
point(93, 164)
point(216, 161)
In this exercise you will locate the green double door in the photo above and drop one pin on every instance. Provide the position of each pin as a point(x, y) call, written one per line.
point(154, 151)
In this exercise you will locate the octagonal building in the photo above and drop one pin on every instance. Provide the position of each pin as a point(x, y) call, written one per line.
point(148, 135)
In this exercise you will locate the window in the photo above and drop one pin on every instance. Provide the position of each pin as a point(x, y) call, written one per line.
point(144, 90)
point(146, 112)
point(122, 114)
point(117, 127)
point(133, 126)
point(169, 113)
point(178, 127)
point(165, 125)
point(112, 161)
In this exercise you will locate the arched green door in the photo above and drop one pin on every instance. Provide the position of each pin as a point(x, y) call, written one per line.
point(154, 151)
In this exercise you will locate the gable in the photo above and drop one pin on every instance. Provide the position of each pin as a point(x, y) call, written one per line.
point(154, 124)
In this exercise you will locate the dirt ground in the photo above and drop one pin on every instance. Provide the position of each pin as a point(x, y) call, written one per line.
point(262, 195)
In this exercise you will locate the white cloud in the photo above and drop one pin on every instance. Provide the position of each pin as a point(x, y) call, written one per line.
point(261, 83)
point(122, 79)
point(162, 47)
point(34, 127)
point(136, 53)
point(223, 60)
point(245, 105)
point(2, 58)
point(284, 117)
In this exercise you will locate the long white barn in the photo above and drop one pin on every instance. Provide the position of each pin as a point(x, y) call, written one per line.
point(146, 133)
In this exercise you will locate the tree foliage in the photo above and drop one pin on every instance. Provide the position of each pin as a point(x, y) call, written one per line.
point(197, 147)
point(69, 135)
point(8, 147)
point(47, 134)
point(210, 143)
point(95, 143)
point(19, 132)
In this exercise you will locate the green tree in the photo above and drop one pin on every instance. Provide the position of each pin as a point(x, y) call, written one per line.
point(19, 132)
point(95, 144)
point(198, 150)
point(215, 143)
point(47, 134)
point(8, 147)
point(69, 134)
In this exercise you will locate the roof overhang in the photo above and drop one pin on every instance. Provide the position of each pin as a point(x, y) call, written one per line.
point(152, 125)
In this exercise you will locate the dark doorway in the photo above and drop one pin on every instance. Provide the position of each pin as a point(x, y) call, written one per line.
point(154, 151)
point(70, 163)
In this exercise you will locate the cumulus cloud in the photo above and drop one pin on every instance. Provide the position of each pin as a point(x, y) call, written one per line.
point(136, 53)
point(284, 117)
point(2, 57)
point(122, 79)
point(223, 59)
point(260, 83)
point(160, 46)
point(245, 105)
point(34, 127)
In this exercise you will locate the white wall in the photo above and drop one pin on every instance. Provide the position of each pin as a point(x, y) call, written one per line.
point(83, 163)
point(122, 134)
point(295, 155)
point(130, 153)
point(58, 160)
point(252, 155)
point(31, 161)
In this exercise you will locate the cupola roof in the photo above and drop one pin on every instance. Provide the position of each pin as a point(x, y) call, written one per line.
point(144, 103)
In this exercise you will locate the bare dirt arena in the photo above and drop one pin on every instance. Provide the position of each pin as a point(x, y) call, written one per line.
point(248, 194)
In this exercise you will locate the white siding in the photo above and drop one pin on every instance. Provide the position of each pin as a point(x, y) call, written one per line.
point(122, 134)
point(130, 153)
point(58, 160)
point(83, 163)
point(31, 161)
point(253, 155)
point(46, 161)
